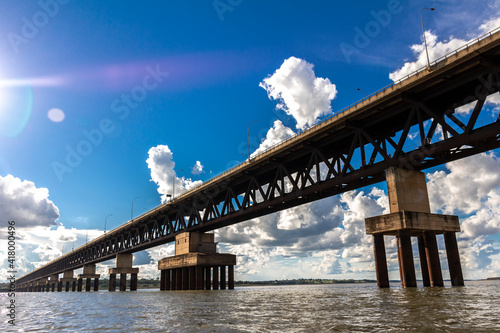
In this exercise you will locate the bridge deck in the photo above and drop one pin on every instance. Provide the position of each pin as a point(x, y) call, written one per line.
point(372, 122)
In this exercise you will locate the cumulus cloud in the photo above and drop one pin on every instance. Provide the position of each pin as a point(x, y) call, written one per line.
point(197, 168)
point(25, 203)
point(142, 258)
point(300, 93)
point(276, 134)
point(436, 50)
point(486, 221)
point(161, 163)
point(332, 228)
point(489, 25)
point(465, 183)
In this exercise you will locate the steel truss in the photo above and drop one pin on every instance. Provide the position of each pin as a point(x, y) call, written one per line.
point(418, 130)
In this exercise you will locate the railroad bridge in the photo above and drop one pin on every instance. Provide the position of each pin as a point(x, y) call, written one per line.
point(363, 144)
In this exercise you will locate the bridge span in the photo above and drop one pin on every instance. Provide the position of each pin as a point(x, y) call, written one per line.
point(354, 148)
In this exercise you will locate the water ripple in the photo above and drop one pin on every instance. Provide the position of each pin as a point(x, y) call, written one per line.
point(316, 308)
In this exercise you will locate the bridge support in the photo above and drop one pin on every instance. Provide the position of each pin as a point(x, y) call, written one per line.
point(196, 265)
point(68, 280)
point(123, 267)
point(53, 281)
point(410, 216)
point(89, 273)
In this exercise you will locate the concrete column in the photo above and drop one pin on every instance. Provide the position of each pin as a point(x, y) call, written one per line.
point(53, 286)
point(59, 286)
point(407, 190)
point(163, 274)
point(96, 284)
point(87, 284)
point(185, 278)
point(454, 266)
point(178, 280)
point(123, 281)
point(192, 278)
point(112, 282)
point(133, 282)
point(222, 277)
point(199, 278)
point(67, 286)
point(230, 276)
point(173, 280)
point(167, 279)
point(423, 261)
point(124, 267)
point(80, 283)
point(73, 288)
point(208, 278)
point(432, 253)
point(216, 278)
point(406, 265)
point(380, 261)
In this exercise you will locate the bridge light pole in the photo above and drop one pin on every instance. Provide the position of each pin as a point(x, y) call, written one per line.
point(105, 219)
point(132, 210)
point(425, 41)
point(362, 92)
point(248, 136)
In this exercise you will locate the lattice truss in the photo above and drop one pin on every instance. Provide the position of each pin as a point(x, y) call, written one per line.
point(419, 131)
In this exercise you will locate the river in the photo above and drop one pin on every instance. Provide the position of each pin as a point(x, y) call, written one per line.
point(296, 308)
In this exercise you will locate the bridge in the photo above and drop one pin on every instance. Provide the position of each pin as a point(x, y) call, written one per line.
point(363, 144)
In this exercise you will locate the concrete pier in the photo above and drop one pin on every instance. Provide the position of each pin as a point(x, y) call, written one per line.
point(196, 265)
point(123, 267)
point(89, 273)
point(53, 281)
point(68, 280)
point(410, 216)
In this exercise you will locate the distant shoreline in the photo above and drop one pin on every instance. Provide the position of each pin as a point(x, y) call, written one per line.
point(155, 284)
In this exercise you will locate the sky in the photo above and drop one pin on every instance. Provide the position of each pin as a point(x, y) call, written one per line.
point(106, 108)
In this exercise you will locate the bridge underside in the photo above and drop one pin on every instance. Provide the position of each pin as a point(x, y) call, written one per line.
point(412, 125)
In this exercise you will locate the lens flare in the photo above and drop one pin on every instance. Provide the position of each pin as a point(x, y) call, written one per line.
point(16, 105)
point(56, 115)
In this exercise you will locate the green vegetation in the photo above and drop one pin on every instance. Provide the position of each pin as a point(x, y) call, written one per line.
point(299, 281)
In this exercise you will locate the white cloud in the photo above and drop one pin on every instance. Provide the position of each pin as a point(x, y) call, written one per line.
point(197, 168)
point(276, 134)
point(486, 221)
point(467, 182)
point(161, 163)
point(435, 49)
point(319, 231)
point(26, 204)
point(490, 25)
point(299, 92)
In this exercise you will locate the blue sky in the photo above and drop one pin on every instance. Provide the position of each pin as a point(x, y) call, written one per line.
point(123, 77)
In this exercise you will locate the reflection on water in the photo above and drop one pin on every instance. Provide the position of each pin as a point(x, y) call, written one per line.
point(315, 308)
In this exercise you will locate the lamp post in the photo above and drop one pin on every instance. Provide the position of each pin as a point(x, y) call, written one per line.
point(362, 92)
point(105, 220)
point(132, 210)
point(425, 41)
point(248, 136)
point(173, 184)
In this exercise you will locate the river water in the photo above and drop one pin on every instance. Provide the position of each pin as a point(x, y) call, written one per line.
point(298, 308)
